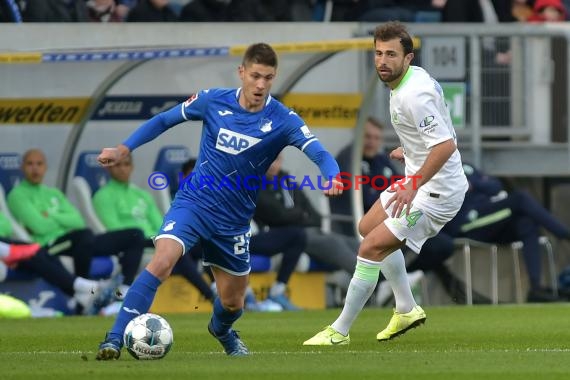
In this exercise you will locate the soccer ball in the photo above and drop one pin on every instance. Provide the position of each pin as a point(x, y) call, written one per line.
point(148, 336)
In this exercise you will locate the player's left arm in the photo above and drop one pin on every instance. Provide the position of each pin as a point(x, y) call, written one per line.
point(301, 137)
point(67, 216)
point(437, 157)
point(433, 130)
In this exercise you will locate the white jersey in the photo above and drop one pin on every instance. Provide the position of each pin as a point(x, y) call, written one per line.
point(421, 120)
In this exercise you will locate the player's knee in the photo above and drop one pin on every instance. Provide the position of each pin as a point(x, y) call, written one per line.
point(363, 228)
point(232, 304)
point(371, 251)
point(366, 250)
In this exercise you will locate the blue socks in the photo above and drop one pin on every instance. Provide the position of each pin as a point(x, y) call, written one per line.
point(137, 301)
point(223, 319)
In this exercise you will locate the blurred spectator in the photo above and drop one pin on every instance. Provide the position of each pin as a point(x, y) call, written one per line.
point(124, 7)
point(239, 11)
point(56, 224)
point(567, 7)
point(10, 11)
point(55, 11)
point(205, 11)
point(260, 10)
point(412, 10)
point(152, 11)
point(387, 10)
point(520, 10)
point(103, 11)
point(548, 11)
point(120, 205)
point(460, 10)
point(402, 10)
point(491, 214)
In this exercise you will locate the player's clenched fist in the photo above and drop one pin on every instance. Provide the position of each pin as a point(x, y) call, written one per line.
point(111, 156)
point(333, 188)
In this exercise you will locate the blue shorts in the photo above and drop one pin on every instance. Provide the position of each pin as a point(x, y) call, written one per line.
point(226, 247)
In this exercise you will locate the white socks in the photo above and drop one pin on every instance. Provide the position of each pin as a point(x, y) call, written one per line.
point(84, 285)
point(277, 289)
point(394, 269)
point(359, 291)
point(363, 283)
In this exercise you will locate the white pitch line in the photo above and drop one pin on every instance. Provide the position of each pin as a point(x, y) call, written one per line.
point(312, 352)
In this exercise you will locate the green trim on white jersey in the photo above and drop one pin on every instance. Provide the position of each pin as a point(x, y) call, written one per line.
point(407, 76)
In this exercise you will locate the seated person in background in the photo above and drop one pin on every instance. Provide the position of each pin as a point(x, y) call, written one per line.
point(548, 11)
point(105, 11)
point(205, 11)
point(56, 224)
point(152, 11)
point(32, 258)
point(55, 11)
point(492, 215)
point(290, 241)
point(120, 204)
point(375, 162)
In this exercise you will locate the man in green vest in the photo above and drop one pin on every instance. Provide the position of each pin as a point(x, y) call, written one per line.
point(56, 224)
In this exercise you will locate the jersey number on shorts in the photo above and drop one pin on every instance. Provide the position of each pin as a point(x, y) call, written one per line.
point(241, 245)
point(412, 217)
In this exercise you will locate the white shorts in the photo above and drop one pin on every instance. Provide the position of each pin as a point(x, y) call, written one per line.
point(427, 217)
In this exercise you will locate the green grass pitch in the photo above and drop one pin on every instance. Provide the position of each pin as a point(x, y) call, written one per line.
point(501, 342)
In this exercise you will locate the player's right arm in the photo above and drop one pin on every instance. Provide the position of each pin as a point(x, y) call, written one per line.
point(192, 109)
point(398, 154)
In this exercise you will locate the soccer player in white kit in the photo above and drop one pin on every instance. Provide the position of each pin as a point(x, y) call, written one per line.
point(409, 214)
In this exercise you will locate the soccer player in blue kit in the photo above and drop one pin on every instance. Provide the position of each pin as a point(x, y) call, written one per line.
point(243, 131)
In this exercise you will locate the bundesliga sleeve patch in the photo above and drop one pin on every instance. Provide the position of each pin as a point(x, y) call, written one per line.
point(306, 132)
point(191, 100)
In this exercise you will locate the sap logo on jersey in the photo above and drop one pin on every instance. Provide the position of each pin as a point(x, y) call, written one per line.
point(233, 142)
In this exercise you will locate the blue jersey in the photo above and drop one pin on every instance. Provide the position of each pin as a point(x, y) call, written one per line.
point(236, 149)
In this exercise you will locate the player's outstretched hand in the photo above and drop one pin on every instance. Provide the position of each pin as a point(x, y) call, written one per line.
point(333, 188)
point(111, 156)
